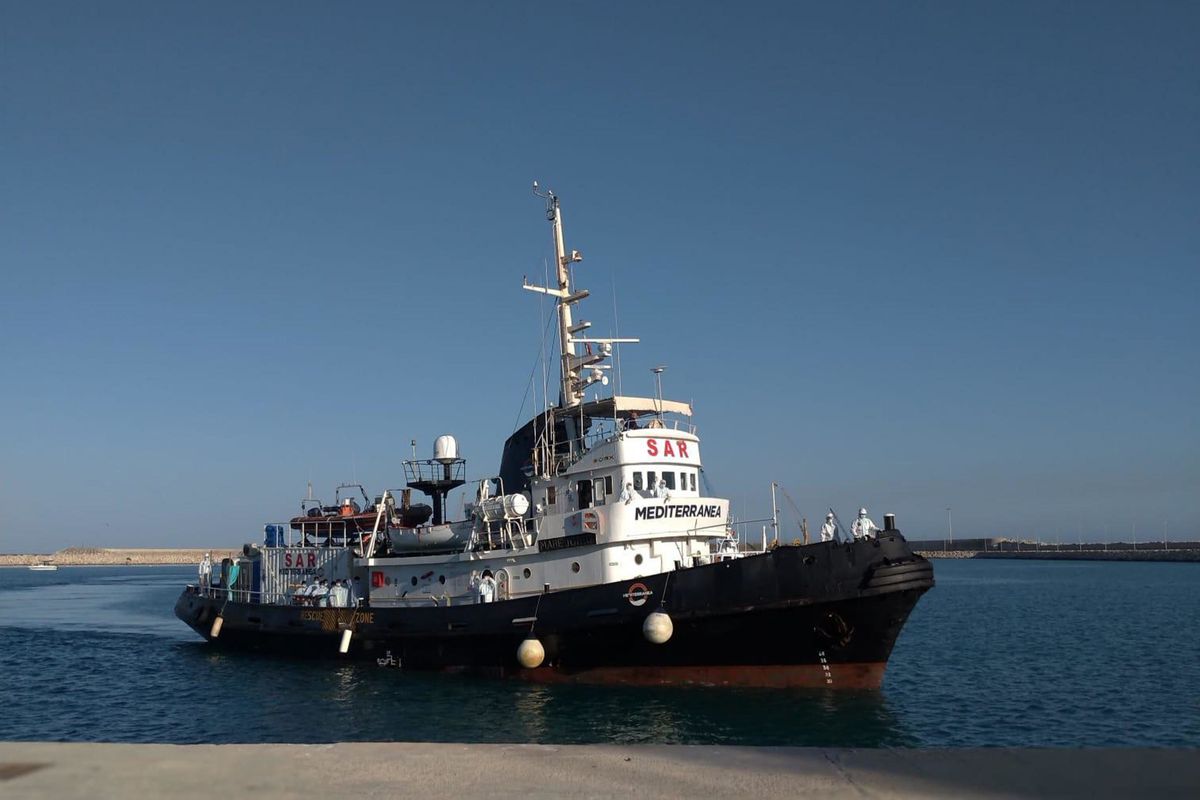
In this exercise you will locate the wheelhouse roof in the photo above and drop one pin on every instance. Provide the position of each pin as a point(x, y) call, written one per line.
point(623, 405)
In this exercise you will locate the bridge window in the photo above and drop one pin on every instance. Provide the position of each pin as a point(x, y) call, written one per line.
point(669, 480)
point(693, 481)
point(608, 484)
point(637, 481)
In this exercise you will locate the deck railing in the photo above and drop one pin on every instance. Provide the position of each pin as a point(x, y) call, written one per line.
point(253, 596)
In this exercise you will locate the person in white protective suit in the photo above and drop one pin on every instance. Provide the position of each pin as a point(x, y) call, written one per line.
point(309, 592)
point(627, 494)
point(487, 587)
point(829, 529)
point(863, 526)
point(206, 565)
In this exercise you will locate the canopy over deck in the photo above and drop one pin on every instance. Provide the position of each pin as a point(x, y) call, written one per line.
point(623, 405)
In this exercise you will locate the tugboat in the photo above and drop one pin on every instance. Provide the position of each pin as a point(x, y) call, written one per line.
point(593, 556)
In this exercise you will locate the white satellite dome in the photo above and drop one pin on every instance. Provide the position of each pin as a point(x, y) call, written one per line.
point(445, 449)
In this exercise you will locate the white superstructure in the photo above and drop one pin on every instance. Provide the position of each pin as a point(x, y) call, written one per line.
point(589, 492)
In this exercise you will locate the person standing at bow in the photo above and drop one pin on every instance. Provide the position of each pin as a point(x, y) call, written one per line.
point(864, 526)
point(829, 529)
point(205, 572)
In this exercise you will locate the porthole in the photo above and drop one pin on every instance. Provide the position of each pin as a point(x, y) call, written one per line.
point(574, 566)
point(441, 578)
point(637, 559)
point(527, 573)
point(414, 580)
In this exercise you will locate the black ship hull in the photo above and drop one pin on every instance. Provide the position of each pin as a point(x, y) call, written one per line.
point(819, 615)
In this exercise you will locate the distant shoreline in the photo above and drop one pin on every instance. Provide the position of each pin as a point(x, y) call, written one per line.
point(1184, 556)
point(97, 566)
point(116, 557)
point(187, 556)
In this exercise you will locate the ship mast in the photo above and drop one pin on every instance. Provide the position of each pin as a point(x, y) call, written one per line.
point(571, 365)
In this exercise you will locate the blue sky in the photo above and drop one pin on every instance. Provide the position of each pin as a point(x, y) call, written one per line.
point(904, 255)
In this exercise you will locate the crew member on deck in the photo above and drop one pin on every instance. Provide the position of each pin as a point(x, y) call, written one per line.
point(627, 494)
point(863, 526)
point(231, 581)
point(829, 529)
point(206, 571)
point(487, 587)
point(655, 488)
point(355, 591)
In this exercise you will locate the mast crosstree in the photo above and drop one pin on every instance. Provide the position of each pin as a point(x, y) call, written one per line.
point(577, 371)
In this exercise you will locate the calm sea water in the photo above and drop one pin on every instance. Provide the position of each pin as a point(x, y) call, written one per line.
point(999, 653)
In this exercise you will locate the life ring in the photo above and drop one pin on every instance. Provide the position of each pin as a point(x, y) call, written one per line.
point(638, 594)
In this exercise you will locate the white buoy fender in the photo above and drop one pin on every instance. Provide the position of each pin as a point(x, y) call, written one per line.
point(216, 628)
point(344, 647)
point(530, 653)
point(658, 628)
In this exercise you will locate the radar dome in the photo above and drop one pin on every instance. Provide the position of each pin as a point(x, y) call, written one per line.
point(445, 449)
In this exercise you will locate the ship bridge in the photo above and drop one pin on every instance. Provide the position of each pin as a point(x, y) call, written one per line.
point(557, 442)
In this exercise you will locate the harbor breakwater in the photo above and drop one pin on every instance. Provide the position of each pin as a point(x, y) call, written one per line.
point(1070, 555)
point(1059, 551)
point(114, 557)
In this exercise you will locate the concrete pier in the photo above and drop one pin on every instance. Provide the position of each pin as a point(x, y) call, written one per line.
point(38, 770)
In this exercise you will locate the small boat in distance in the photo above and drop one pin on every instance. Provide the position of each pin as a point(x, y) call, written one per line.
point(45, 566)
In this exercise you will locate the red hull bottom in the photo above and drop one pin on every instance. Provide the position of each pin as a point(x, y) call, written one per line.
point(771, 676)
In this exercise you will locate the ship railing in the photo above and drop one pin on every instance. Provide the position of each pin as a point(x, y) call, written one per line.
point(318, 533)
point(432, 470)
point(578, 447)
point(604, 429)
point(744, 533)
point(504, 534)
point(610, 429)
point(256, 597)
